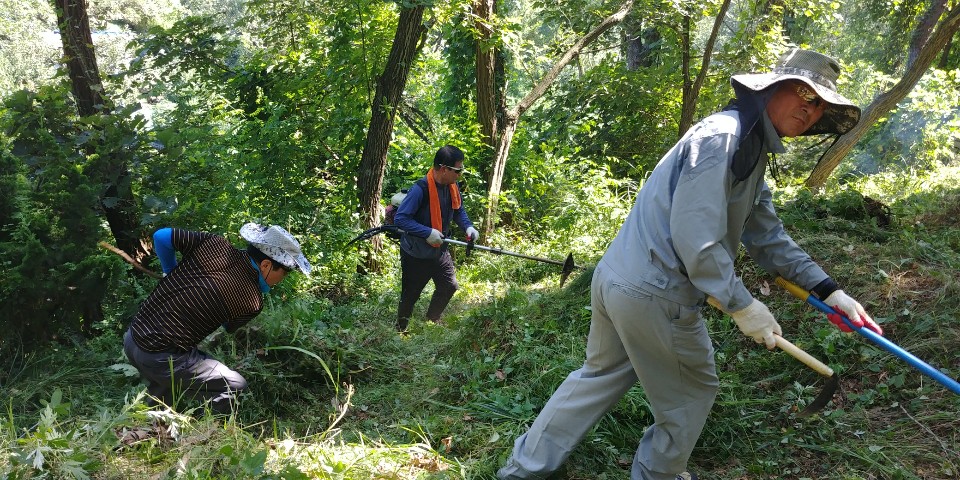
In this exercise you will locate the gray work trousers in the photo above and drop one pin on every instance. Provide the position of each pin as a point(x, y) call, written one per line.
point(633, 336)
point(190, 374)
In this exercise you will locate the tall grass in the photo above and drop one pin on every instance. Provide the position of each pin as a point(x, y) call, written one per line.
point(337, 393)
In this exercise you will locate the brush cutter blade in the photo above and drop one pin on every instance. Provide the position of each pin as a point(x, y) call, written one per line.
point(568, 266)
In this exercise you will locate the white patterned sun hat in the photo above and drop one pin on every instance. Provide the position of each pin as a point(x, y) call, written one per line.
point(278, 244)
point(820, 73)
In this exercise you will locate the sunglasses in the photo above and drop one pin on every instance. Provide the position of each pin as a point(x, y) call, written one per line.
point(455, 169)
point(808, 95)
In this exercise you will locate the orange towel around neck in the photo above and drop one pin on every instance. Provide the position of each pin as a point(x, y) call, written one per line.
point(436, 218)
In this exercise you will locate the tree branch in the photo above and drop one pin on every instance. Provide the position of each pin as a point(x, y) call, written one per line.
point(548, 79)
point(129, 260)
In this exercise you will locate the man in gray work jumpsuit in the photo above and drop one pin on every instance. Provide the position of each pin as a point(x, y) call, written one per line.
point(677, 246)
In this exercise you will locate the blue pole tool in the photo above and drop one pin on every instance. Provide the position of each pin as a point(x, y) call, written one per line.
point(876, 338)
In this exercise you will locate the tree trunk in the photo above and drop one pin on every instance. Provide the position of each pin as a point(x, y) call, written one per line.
point(500, 82)
point(691, 91)
point(80, 58)
point(686, 106)
point(116, 201)
point(922, 32)
point(633, 42)
point(485, 68)
point(513, 116)
point(945, 56)
point(886, 101)
point(390, 85)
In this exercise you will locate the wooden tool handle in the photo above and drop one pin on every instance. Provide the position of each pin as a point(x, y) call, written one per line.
point(804, 357)
point(793, 350)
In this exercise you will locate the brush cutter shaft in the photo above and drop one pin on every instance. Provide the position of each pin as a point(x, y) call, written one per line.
point(876, 338)
point(499, 251)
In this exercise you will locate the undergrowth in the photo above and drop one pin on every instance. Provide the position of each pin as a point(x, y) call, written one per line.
point(336, 393)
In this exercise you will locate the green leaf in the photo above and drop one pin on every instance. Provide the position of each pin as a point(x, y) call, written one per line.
point(253, 464)
point(125, 368)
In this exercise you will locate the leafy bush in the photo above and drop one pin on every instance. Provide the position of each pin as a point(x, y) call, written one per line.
point(56, 276)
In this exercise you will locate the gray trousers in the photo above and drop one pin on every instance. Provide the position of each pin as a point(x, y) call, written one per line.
point(192, 374)
point(633, 336)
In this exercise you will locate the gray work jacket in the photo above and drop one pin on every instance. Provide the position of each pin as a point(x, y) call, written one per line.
point(681, 237)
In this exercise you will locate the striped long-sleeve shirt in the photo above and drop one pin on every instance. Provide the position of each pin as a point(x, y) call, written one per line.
point(214, 285)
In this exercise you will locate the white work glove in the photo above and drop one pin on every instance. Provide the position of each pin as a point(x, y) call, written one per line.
point(852, 309)
point(758, 323)
point(435, 238)
point(472, 233)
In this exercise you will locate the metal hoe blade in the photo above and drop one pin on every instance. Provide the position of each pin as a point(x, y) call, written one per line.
point(832, 382)
point(829, 388)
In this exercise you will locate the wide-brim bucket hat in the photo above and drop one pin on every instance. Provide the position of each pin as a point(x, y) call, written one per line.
point(820, 73)
point(278, 244)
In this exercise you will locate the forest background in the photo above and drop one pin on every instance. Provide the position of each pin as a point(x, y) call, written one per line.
point(122, 117)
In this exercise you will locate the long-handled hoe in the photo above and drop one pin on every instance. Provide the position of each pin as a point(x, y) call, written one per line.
point(874, 337)
point(832, 379)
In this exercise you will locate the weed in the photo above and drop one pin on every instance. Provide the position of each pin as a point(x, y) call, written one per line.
point(336, 393)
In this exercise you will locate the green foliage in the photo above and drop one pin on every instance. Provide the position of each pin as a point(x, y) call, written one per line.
point(448, 401)
point(27, 57)
point(879, 31)
point(53, 446)
point(922, 133)
point(259, 114)
point(11, 179)
point(623, 119)
point(56, 275)
point(30, 47)
point(256, 135)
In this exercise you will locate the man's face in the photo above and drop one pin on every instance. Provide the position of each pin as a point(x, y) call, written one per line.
point(794, 108)
point(273, 273)
point(447, 175)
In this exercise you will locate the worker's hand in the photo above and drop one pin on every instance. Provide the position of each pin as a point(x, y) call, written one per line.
point(472, 234)
point(843, 303)
point(435, 238)
point(758, 323)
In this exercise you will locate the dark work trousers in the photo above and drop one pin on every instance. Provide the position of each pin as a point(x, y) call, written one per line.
point(414, 275)
point(190, 374)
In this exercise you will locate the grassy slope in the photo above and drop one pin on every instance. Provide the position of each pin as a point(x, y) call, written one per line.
point(447, 401)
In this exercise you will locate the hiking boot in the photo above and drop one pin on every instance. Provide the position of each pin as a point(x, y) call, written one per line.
point(511, 471)
point(687, 476)
point(135, 435)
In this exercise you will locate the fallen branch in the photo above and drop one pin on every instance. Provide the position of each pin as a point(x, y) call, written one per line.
point(129, 260)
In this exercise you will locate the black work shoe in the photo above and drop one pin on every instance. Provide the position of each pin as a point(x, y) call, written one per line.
point(687, 476)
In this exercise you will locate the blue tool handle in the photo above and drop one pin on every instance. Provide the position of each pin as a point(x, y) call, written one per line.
point(889, 346)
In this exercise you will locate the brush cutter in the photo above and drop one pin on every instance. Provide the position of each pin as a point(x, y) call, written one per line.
point(568, 264)
point(875, 337)
point(832, 379)
point(391, 230)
